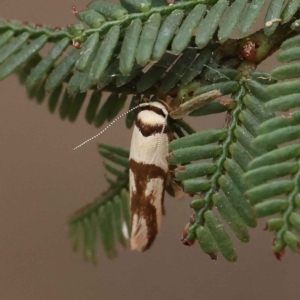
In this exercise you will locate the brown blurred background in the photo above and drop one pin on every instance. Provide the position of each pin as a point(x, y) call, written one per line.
point(43, 182)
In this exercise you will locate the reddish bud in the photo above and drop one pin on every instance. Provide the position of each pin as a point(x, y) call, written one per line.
point(74, 11)
point(76, 44)
point(213, 256)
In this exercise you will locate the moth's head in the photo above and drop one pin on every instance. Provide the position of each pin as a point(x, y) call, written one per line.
point(157, 105)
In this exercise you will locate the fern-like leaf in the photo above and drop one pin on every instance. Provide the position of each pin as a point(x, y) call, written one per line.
point(219, 182)
point(121, 43)
point(276, 173)
point(109, 213)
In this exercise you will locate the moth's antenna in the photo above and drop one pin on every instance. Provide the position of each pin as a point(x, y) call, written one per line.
point(161, 134)
point(110, 124)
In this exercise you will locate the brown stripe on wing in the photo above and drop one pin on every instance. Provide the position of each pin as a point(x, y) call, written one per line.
point(149, 129)
point(141, 205)
point(154, 109)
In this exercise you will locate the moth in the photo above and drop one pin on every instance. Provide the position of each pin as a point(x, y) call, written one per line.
point(148, 169)
point(148, 166)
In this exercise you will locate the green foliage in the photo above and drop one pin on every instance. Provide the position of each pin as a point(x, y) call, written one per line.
point(135, 39)
point(219, 182)
point(275, 174)
point(108, 213)
point(149, 49)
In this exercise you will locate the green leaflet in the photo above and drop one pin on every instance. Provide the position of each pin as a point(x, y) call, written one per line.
point(212, 107)
point(178, 69)
point(147, 39)
point(279, 122)
point(152, 76)
point(141, 5)
point(13, 46)
point(222, 74)
point(194, 170)
point(277, 137)
point(117, 211)
point(194, 153)
point(250, 15)
point(62, 70)
point(287, 72)
point(270, 207)
point(91, 18)
point(123, 79)
point(210, 23)
point(245, 139)
point(238, 201)
point(199, 138)
point(230, 215)
point(257, 108)
point(283, 88)
point(197, 66)
point(240, 155)
point(45, 65)
point(109, 73)
point(231, 19)
point(108, 9)
point(192, 186)
point(258, 90)
point(74, 83)
point(207, 242)
point(24, 55)
point(220, 236)
point(274, 224)
point(104, 54)
point(235, 172)
point(5, 37)
point(281, 154)
point(166, 33)
point(129, 46)
point(292, 241)
point(118, 151)
point(249, 121)
point(88, 48)
point(225, 88)
point(105, 221)
point(295, 221)
point(185, 32)
point(262, 77)
point(269, 190)
point(265, 173)
point(290, 9)
point(273, 14)
point(288, 55)
point(86, 82)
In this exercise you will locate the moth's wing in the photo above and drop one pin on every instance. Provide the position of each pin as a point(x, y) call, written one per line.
point(146, 209)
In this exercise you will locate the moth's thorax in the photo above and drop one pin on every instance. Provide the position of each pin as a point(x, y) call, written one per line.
point(150, 118)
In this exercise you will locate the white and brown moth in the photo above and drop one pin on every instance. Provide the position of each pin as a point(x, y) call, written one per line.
point(148, 169)
point(148, 166)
